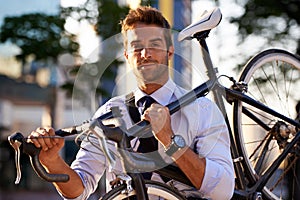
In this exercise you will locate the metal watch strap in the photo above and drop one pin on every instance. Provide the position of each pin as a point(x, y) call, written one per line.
point(173, 147)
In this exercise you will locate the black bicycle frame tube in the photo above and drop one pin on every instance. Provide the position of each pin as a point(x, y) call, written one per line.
point(270, 170)
point(139, 186)
point(219, 92)
point(256, 119)
point(232, 94)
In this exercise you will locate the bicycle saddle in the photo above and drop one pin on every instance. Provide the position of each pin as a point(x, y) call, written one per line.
point(209, 20)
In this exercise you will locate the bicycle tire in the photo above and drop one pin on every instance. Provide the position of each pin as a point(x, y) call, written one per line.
point(155, 189)
point(269, 75)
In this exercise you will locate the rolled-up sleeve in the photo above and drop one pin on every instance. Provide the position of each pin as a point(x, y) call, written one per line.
point(89, 165)
point(212, 142)
point(218, 183)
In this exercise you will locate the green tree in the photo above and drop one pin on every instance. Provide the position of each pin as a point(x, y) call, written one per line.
point(37, 34)
point(274, 20)
point(44, 38)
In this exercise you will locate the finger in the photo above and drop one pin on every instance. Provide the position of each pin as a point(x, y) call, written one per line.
point(146, 116)
point(33, 138)
point(41, 137)
point(151, 113)
point(47, 139)
point(54, 139)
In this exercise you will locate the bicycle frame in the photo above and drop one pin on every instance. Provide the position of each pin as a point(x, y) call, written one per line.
point(231, 95)
point(244, 189)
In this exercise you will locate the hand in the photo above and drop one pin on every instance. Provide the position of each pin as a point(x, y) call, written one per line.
point(160, 120)
point(49, 143)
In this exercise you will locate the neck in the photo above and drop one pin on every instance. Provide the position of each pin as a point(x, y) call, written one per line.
point(150, 88)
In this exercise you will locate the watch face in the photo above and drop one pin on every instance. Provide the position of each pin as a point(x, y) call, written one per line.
point(179, 141)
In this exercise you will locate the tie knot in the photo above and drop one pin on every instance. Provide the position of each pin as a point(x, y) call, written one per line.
point(146, 102)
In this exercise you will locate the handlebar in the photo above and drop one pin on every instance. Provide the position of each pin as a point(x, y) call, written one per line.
point(18, 142)
point(134, 161)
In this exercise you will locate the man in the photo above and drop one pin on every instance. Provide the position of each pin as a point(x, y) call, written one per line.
point(205, 157)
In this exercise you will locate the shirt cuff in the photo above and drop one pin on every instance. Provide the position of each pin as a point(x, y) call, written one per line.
point(217, 183)
point(212, 177)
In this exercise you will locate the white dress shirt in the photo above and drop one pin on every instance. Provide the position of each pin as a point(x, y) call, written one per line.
point(200, 123)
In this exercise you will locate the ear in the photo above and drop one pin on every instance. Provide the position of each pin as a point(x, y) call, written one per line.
point(171, 52)
point(125, 54)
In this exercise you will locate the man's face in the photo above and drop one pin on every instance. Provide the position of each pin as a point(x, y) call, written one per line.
point(147, 54)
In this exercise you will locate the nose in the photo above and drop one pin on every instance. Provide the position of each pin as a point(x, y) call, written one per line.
point(146, 53)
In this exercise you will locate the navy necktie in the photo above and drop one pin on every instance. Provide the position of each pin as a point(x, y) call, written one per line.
point(146, 101)
point(148, 143)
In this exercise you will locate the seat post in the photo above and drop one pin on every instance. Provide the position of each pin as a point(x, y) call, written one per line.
point(211, 71)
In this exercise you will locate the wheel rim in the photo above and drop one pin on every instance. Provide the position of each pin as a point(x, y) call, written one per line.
point(281, 75)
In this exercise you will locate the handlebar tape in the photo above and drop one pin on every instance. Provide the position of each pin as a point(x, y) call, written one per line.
point(41, 172)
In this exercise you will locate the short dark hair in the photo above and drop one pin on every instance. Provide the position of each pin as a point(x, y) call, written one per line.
point(146, 15)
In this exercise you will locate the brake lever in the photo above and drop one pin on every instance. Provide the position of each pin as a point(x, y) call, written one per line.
point(16, 144)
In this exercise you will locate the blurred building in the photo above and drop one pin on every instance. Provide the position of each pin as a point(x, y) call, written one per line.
point(35, 99)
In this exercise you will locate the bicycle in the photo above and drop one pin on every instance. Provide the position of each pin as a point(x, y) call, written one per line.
point(257, 130)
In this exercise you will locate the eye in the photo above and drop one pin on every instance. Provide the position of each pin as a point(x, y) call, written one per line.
point(156, 45)
point(137, 47)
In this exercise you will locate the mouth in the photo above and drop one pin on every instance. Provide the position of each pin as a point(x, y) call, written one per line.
point(143, 66)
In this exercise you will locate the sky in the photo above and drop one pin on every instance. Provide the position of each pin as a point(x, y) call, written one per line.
point(19, 7)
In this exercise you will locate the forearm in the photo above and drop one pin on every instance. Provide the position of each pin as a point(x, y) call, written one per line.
point(191, 165)
point(71, 189)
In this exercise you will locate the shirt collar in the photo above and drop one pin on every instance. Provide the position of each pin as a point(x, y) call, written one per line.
point(162, 96)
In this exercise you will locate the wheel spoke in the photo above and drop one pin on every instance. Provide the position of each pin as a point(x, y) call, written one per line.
point(273, 78)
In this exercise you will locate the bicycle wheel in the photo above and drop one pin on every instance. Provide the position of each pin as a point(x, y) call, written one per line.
point(273, 78)
point(155, 190)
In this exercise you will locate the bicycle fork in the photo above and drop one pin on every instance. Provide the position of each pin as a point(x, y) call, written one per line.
point(129, 180)
point(123, 179)
point(140, 187)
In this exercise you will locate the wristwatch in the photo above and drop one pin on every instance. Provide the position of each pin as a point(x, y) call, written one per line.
point(177, 143)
